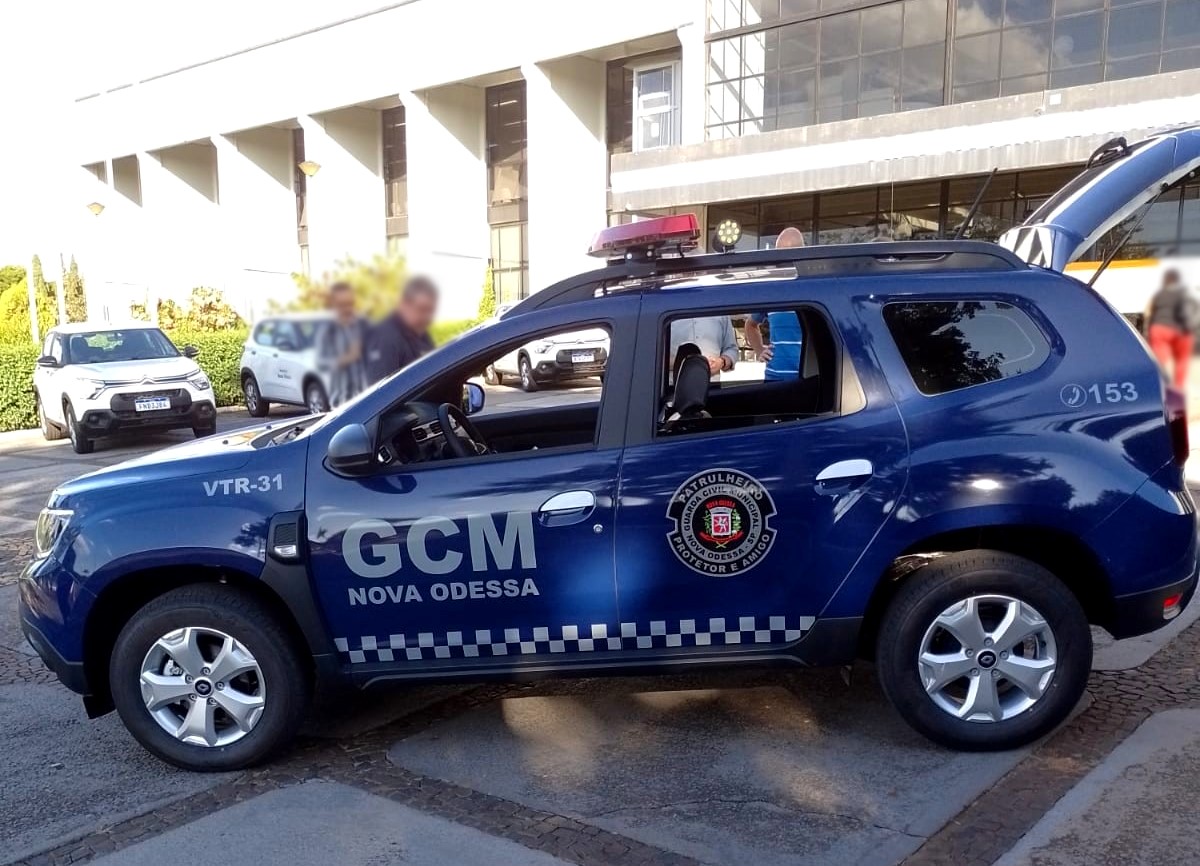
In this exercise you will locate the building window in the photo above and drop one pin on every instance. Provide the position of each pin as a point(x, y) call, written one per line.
point(923, 210)
point(395, 171)
point(510, 262)
point(776, 64)
point(507, 160)
point(1005, 47)
point(656, 106)
point(823, 67)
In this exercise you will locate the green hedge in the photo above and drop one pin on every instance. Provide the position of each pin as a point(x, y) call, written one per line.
point(17, 408)
point(443, 332)
point(220, 358)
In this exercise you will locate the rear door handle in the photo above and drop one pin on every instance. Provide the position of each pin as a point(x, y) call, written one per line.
point(841, 476)
point(563, 509)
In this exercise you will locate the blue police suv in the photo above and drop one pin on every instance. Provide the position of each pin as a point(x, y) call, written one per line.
point(975, 459)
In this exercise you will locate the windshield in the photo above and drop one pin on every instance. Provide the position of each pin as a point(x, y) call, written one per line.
point(131, 344)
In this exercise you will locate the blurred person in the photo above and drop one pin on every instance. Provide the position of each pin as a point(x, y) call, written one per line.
point(340, 348)
point(782, 354)
point(402, 337)
point(1172, 320)
point(712, 335)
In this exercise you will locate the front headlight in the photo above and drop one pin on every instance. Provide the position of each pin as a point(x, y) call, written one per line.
point(50, 525)
point(542, 348)
point(97, 385)
point(199, 382)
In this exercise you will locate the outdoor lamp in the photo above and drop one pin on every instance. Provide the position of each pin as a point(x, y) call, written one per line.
point(309, 167)
point(96, 208)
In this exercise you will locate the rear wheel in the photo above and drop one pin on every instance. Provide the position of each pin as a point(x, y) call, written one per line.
point(528, 383)
point(315, 399)
point(984, 650)
point(207, 679)
point(492, 376)
point(50, 431)
point(78, 436)
point(255, 404)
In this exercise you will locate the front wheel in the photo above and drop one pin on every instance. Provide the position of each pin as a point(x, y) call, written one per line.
point(528, 383)
point(206, 678)
point(492, 376)
point(983, 650)
point(76, 432)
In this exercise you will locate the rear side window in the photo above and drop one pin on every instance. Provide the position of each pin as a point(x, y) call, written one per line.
point(948, 345)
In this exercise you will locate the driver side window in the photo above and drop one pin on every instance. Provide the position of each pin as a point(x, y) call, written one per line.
point(543, 392)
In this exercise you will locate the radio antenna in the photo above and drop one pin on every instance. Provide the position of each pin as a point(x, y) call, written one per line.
point(983, 187)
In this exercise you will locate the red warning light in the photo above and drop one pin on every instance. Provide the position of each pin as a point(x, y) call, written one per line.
point(643, 239)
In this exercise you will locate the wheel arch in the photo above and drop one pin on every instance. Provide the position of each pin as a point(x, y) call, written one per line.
point(1063, 554)
point(121, 598)
point(246, 373)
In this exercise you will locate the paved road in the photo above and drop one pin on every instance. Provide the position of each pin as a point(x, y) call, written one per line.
point(774, 767)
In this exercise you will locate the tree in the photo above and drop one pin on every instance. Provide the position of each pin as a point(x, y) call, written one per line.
point(74, 291)
point(376, 285)
point(14, 313)
point(10, 274)
point(487, 302)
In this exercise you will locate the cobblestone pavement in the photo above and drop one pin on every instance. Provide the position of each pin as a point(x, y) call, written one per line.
point(15, 552)
point(982, 832)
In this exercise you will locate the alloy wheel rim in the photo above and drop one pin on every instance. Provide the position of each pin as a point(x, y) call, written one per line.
point(202, 687)
point(987, 658)
point(315, 404)
point(251, 396)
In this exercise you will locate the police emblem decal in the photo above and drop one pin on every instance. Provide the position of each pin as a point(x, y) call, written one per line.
point(722, 522)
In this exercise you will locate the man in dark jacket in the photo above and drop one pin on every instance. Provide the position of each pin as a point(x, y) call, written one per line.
point(403, 337)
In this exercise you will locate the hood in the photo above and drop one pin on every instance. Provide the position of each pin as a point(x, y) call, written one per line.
point(1117, 181)
point(214, 456)
point(149, 371)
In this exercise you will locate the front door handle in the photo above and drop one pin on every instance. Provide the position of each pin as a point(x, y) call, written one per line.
point(563, 509)
point(841, 476)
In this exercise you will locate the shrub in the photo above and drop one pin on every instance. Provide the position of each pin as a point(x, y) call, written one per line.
point(376, 285)
point(487, 302)
point(206, 311)
point(14, 313)
point(220, 358)
point(17, 408)
point(443, 332)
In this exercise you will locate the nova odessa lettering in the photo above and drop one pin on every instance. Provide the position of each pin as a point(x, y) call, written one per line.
point(488, 548)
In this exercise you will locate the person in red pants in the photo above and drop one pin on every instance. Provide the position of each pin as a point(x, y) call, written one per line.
point(1172, 321)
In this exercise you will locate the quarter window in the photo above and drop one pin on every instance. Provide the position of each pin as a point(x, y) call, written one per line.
point(948, 345)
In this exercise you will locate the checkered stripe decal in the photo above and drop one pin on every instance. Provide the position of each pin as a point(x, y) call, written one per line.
point(490, 643)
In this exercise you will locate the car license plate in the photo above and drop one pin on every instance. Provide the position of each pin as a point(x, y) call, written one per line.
point(583, 357)
point(149, 404)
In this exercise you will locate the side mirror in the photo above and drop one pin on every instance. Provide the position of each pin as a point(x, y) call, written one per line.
point(472, 398)
point(350, 450)
point(190, 351)
point(47, 361)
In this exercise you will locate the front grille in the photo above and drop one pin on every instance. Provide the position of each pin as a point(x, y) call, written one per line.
point(564, 357)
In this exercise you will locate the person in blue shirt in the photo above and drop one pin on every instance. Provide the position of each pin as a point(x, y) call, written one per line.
point(782, 354)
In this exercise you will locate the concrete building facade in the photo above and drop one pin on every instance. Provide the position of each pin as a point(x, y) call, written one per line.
point(476, 134)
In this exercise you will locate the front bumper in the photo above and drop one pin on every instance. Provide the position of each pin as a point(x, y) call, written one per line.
point(70, 674)
point(122, 414)
point(554, 370)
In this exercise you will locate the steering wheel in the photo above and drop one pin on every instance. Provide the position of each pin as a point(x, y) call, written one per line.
point(450, 417)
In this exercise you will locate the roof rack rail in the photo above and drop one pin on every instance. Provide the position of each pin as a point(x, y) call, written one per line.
point(889, 257)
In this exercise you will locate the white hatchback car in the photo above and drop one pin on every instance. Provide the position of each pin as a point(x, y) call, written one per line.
point(557, 358)
point(96, 379)
point(279, 363)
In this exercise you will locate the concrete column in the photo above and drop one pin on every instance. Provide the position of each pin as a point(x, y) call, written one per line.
point(346, 197)
point(567, 166)
point(692, 86)
point(448, 236)
point(258, 216)
point(183, 247)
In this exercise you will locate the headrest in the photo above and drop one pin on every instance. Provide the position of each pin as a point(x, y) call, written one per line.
point(691, 386)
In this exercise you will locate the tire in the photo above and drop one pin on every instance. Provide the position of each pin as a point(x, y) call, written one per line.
point(979, 587)
point(201, 432)
point(492, 376)
point(528, 383)
point(255, 404)
point(51, 432)
point(78, 436)
point(203, 615)
point(315, 399)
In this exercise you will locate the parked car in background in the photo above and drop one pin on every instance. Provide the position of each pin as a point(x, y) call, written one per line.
point(279, 363)
point(558, 358)
point(96, 379)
